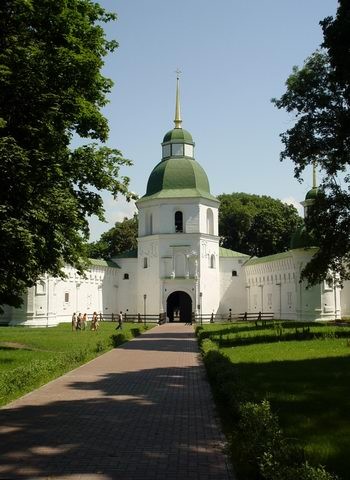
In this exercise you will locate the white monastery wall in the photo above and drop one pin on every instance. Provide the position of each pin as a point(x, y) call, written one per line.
point(53, 300)
point(345, 299)
point(232, 286)
point(209, 268)
point(148, 275)
point(271, 286)
point(127, 286)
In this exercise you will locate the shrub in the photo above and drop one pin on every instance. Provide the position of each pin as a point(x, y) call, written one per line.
point(259, 446)
point(272, 469)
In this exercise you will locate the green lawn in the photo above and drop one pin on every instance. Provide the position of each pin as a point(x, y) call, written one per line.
point(31, 357)
point(304, 371)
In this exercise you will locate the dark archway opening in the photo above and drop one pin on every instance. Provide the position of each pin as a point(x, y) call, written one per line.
point(179, 307)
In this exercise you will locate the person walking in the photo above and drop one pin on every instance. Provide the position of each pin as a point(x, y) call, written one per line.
point(74, 321)
point(94, 321)
point(83, 322)
point(120, 321)
point(79, 320)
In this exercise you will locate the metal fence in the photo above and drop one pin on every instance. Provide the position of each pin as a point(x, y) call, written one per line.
point(133, 317)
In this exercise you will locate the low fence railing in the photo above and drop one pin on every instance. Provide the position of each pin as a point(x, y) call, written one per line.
point(233, 317)
point(132, 317)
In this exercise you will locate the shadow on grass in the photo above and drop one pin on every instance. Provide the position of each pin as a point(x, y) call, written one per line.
point(279, 332)
point(310, 397)
point(312, 400)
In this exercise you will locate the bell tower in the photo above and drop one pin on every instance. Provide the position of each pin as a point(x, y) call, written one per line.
point(178, 243)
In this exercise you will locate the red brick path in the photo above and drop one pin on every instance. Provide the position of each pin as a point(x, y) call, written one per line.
point(142, 411)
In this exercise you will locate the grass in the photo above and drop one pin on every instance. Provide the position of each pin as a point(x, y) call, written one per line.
point(32, 357)
point(304, 371)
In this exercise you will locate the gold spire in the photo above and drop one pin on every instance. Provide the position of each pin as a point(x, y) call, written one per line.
point(177, 120)
point(314, 180)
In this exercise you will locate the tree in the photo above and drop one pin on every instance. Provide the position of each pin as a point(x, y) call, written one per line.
point(256, 225)
point(121, 238)
point(318, 94)
point(51, 88)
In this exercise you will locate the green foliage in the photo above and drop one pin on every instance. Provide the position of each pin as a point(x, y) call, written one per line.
point(318, 95)
point(51, 89)
point(121, 238)
point(256, 225)
point(295, 389)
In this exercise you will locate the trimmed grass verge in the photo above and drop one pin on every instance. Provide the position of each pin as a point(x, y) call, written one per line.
point(30, 358)
point(300, 372)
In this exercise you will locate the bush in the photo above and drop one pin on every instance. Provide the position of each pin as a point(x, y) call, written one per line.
point(259, 447)
point(272, 469)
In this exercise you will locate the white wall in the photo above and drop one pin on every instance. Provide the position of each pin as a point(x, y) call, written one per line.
point(271, 286)
point(163, 215)
point(149, 277)
point(127, 288)
point(232, 288)
point(345, 299)
point(209, 278)
point(54, 300)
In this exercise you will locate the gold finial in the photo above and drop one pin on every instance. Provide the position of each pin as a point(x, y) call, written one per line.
point(177, 120)
point(314, 180)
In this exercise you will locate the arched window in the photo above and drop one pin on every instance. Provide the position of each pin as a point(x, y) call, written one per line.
point(212, 261)
point(210, 221)
point(40, 288)
point(126, 276)
point(178, 222)
point(149, 224)
point(234, 273)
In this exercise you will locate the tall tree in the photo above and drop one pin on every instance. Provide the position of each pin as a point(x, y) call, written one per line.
point(51, 88)
point(256, 225)
point(318, 94)
point(121, 238)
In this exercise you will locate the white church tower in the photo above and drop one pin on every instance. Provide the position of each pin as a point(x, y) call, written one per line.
point(178, 242)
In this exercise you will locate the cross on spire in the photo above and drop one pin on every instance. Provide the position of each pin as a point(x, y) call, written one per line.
point(177, 120)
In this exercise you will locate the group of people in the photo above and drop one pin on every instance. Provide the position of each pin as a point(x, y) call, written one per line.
point(79, 322)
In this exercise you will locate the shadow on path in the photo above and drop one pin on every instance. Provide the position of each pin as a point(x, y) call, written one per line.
point(149, 423)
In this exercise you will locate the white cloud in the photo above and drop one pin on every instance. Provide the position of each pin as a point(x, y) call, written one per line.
point(115, 211)
point(295, 203)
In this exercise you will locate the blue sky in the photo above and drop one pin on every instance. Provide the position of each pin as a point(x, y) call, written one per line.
point(235, 56)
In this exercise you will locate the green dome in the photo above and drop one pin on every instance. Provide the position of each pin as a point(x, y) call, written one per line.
point(312, 194)
point(302, 239)
point(176, 178)
point(178, 135)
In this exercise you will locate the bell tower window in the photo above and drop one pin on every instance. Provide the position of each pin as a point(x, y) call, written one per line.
point(188, 150)
point(210, 221)
point(166, 150)
point(178, 222)
point(177, 149)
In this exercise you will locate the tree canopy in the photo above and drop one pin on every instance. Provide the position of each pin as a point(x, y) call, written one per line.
point(51, 89)
point(256, 225)
point(318, 94)
point(121, 238)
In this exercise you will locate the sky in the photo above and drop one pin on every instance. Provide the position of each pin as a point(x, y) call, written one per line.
point(234, 55)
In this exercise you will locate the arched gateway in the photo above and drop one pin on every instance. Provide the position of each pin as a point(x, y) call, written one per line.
point(179, 307)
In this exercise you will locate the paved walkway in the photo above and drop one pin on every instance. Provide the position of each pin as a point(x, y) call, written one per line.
point(142, 411)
